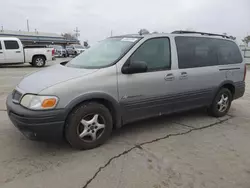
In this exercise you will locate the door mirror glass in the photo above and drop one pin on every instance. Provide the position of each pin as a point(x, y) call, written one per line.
point(135, 67)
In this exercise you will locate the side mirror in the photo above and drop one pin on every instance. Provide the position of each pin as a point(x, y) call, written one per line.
point(135, 67)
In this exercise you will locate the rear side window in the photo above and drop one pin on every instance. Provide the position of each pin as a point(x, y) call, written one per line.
point(11, 45)
point(200, 52)
point(228, 52)
point(195, 52)
point(155, 52)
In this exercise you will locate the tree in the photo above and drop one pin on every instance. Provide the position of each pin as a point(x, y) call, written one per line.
point(69, 36)
point(246, 40)
point(86, 44)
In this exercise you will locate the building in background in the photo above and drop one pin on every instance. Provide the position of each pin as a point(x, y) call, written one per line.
point(38, 38)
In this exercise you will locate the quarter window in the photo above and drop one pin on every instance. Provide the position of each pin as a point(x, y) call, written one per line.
point(11, 45)
point(154, 52)
point(228, 52)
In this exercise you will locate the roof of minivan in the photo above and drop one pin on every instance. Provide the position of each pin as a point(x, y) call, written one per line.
point(169, 34)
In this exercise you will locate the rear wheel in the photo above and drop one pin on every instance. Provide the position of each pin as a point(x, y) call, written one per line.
point(88, 126)
point(221, 103)
point(38, 61)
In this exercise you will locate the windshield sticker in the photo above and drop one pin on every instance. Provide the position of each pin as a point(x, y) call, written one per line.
point(129, 39)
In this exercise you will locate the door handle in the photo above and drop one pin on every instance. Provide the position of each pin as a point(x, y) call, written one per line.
point(1, 52)
point(184, 75)
point(169, 77)
point(18, 51)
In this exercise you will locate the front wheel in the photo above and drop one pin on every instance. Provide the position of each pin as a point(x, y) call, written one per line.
point(221, 103)
point(88, 126)
point(38, 61)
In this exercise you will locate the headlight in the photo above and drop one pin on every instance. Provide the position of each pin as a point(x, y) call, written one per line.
point(36, 102)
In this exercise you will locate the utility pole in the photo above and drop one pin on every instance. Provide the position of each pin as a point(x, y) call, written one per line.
point(2, 28)
point(28, 26)
point(111, 33)
point(77, 32)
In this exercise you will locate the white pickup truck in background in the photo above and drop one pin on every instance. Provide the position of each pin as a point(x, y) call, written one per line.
point(12, 51)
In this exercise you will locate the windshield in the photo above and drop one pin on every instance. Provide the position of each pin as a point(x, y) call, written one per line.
point(103, 53)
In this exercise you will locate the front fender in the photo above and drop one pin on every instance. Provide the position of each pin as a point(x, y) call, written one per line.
point(95, 96)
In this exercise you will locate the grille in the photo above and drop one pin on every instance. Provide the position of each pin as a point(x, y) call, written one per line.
point(16, 96)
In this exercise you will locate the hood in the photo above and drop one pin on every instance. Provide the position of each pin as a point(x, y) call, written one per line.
point(38, 81)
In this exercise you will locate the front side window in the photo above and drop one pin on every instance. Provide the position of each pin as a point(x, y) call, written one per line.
point(195, 52)
point(155, 53)
point(104, 53)
point(11, 45)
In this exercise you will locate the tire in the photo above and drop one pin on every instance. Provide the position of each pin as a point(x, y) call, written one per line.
point(74, 128)
point(215, 108)
point(38, 61)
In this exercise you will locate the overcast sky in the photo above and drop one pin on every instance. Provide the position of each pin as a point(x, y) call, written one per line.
point(96, 18)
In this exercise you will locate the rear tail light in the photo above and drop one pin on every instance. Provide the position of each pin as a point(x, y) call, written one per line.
point(53, 52)
point(245, 72)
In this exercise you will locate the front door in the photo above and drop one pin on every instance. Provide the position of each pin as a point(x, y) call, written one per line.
point(148, 94)
point(2, 59)
point(13, 52)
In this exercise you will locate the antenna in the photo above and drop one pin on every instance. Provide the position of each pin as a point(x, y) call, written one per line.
point(77, 32)
point(28, 26)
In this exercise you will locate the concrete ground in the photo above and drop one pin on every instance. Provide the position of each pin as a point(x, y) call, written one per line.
point(188, 150)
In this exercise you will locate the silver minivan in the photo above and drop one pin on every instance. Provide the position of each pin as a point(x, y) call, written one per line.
point(128, 78)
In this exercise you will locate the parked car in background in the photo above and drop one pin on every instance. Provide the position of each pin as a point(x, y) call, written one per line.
point(12, 51)
point(128, 78)
point(60, 51)
point(78, 49)
point(70, 50)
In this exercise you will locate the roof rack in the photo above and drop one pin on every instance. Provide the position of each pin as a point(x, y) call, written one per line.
point(202, 33)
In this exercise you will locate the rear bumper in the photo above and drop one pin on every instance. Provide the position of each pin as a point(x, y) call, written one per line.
point(239, 89)
point(36, 125)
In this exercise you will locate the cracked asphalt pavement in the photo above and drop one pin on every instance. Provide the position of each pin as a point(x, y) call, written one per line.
point(189, 150)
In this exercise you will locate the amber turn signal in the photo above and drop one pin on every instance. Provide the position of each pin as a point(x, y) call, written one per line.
point(49, 103)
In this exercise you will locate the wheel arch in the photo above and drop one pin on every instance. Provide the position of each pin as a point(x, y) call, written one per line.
point(39, 55)
point(102, 98)
point(229, 85)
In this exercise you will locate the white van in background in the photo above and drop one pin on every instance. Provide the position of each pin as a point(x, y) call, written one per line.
point(12, 51)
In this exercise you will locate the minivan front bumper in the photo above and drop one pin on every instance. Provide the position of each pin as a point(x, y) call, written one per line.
point(36, 125)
